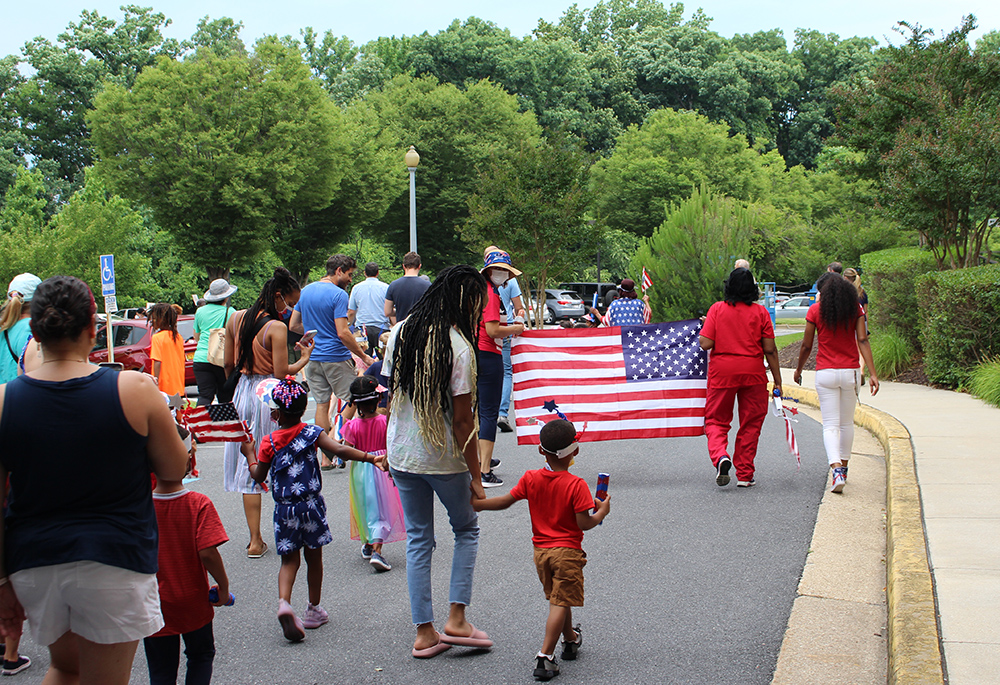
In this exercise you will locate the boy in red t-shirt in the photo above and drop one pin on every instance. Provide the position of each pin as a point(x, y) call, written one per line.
point(190, 532)
point(560, 505)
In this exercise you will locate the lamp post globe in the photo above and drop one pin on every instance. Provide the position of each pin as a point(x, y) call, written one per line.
point(412, 159)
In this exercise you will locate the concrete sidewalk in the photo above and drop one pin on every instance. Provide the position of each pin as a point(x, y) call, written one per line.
point(955, 439)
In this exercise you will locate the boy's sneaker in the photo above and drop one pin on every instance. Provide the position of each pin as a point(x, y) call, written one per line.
point(379, 563)
point(314, 617)
point(291, 626)
point(14, 667)
point(545, 668)
point(491, 481)
point(722, 473)
point(366, 551)
point(570, 649)
point(494, 462)
point(838, 480)
point(746, 483)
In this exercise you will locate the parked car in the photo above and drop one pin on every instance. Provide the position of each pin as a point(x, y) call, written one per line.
point(560, 304)
point(587, 290)
point(793, 308)
point(133, 338)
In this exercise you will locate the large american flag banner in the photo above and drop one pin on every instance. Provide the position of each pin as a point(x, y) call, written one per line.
point(624, 382)
point(216, 423)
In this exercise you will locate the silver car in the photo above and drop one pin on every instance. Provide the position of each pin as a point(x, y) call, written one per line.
point(560, 304)
point(792, 308)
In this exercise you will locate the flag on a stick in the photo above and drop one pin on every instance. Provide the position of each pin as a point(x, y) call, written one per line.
point(647, 282)
point(782, 412)
point(626, 382)
point(216, 423)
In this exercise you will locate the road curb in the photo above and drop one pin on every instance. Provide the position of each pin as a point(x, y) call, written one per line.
point(914, 640)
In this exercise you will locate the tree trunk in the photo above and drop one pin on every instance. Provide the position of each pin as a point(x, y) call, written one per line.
point(215, 272)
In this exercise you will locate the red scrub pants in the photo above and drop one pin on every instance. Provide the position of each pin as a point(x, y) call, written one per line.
point(719, 416)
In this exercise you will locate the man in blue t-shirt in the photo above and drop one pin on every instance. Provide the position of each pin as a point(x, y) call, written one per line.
point(404, 292)
point(322, 307)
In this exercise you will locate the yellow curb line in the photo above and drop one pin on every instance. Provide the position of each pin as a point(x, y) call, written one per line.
point(914, 641)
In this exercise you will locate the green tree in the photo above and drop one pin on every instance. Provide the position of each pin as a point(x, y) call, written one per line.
point(222, 149)
point(532, 202)
point(692, 252)
point(23, 224)
point(658, 164)
point(928, 125)
point(457, 133)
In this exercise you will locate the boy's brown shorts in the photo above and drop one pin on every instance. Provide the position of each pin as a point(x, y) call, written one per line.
point(561, 571)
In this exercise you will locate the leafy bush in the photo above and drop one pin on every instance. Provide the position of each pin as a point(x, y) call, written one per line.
point(891, 352)
point(888, 278)
point(959, 321)
point(984, 381)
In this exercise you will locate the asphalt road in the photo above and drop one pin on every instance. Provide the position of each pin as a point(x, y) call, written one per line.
point(686, 582)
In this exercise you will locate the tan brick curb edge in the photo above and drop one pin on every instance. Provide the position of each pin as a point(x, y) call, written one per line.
point(914, 641)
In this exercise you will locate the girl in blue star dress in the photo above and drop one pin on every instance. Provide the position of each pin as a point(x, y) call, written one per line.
point(289, 453)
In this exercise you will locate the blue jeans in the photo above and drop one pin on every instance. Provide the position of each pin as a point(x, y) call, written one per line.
point(489, 384)
point(416, 492)
point(508, 379)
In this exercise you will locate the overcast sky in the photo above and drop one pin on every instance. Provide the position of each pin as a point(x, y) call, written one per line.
point(363, 21)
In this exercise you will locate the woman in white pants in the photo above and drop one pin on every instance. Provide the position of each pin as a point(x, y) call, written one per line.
point(839, 322)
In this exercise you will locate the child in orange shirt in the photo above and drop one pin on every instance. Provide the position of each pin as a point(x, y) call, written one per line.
point(167, 349)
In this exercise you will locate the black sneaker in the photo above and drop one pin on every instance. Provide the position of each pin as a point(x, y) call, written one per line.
point(14, 667)
point(545, 668)
point(491, 481)
point(504, 425)
point(570, 649)
point(722, 475)
point(494, 463)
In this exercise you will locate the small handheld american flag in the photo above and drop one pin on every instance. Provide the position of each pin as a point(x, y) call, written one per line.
point(216, 423)
point(647, 282)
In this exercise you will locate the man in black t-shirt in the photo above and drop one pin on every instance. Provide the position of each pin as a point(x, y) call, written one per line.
point(404, 292)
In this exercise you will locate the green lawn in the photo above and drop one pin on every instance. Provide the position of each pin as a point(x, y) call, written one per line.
point(790, 322)
point(783, 341)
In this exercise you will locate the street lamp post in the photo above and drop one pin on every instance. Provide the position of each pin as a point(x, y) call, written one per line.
point(412, 160)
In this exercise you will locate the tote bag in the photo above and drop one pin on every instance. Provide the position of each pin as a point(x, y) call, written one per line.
point(217, 343)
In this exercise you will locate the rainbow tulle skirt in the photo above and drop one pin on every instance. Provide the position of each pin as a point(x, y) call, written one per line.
point(376, 512)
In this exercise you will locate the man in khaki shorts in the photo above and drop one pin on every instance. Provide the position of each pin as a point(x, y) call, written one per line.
point(322, 308)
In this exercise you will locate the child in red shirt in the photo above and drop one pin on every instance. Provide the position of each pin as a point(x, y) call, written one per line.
point(560, 505)
point(190, 533)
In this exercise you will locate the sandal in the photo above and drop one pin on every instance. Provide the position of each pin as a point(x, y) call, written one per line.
point(262, 552)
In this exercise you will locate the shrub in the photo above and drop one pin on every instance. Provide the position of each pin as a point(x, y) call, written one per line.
point(959, 321)
point(891, 352)
point(889, 277)
point(984, 381)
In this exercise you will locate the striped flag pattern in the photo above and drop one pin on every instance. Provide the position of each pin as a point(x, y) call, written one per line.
point(782, 412)
point(216, 423)
point(624, 382)
point(647, 282)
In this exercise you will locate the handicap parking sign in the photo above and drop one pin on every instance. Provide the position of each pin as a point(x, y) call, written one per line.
point(107, 274)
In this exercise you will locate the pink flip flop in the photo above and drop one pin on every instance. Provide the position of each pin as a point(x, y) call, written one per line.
point(477, 639)
point(431, 651)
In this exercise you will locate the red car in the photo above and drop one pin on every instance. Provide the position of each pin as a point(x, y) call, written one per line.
point(133, 338)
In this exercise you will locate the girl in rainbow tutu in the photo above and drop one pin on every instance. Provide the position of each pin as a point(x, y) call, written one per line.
point(376, 512)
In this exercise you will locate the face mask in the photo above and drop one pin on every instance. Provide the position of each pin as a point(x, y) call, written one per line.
point(498, 277)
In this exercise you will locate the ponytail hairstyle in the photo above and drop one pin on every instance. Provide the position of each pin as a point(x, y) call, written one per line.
point(282, 283)
point(422, 357)
point(11, 312)
point(61, 308)
point(163, 316)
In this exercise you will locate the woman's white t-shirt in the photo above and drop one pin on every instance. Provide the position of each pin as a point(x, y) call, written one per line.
point(406, 448)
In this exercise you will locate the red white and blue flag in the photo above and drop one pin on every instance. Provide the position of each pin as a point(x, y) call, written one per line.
point(647, 282)
point(624, 382)
point(216, 423)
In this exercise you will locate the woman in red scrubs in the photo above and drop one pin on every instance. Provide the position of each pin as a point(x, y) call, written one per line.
point(739, 333)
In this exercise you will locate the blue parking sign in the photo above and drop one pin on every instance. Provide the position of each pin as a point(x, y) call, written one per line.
point(107, 274)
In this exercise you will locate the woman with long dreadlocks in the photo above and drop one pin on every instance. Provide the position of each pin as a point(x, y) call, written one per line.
point(431, 438)
point(840, 324)
point(257, 345)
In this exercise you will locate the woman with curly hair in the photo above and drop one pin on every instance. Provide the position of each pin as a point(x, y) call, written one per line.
point(839, 322)
point(430, 360)
point(739, 333)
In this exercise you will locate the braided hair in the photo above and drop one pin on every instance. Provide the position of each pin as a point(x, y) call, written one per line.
point(422, 358)
point(282, 283)
point(838, 302)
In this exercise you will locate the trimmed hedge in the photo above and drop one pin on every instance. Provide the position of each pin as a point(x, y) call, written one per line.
point(959, 321)
point(889, 277)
